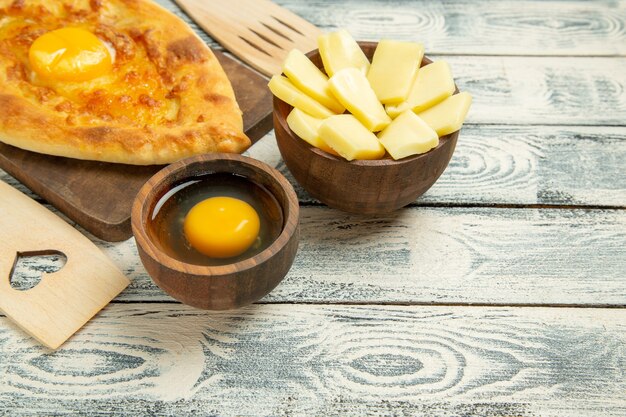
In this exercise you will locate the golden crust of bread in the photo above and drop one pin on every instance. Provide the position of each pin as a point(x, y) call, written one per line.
point(166, 98)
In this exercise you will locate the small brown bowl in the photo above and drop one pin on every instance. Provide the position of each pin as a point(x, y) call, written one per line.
point(227, 286)
point(364, 187)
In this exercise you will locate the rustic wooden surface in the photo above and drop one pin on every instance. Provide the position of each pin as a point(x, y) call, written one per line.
point(286, 360)
point(501, 292)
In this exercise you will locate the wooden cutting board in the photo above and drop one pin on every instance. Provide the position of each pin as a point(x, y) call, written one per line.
point(98, 195)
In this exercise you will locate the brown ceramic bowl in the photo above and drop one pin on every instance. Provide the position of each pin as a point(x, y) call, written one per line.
point(227, 286)
point(364, 187)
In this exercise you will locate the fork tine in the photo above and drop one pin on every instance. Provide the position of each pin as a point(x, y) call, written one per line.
point(301, 32)
point(282, 40)
point(298, 25)
point(268, 47)
point(298, 40)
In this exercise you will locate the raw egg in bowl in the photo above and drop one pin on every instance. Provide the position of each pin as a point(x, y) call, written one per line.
point(217, 231)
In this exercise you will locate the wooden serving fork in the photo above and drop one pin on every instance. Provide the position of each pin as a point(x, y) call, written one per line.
point(259, 32)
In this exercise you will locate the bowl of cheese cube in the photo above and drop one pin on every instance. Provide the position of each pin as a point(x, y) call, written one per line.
point(366, 127)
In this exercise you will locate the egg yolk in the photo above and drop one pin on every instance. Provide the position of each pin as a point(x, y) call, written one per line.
point(69, 54)
point(222, 227)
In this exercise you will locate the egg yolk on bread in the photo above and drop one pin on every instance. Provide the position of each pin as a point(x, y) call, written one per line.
point(69, 54)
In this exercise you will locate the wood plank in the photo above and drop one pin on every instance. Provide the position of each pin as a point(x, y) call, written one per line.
point(444, 255)
point(436, 255)
point(549, 165)
point(542, 90)
point(518, 165)
point(480, 27)
point(530, 27)
point(165, 359)
point(521, 165)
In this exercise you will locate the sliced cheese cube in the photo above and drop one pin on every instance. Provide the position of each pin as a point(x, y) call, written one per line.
point(282, 88)
point(353, 91)
point(339, 50)
point(307, 128)
point(433, 84)
point(346, 135)
point(449, 115)
point(408, 135)
point(308, 78)
point(393, 70)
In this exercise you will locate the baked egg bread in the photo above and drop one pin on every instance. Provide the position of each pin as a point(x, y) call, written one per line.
point(111, 80)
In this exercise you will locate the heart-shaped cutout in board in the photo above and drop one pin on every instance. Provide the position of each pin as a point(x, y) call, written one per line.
point(64, 300)
point(29, 267)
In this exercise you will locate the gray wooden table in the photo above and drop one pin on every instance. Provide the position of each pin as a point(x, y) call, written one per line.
point(500, 292)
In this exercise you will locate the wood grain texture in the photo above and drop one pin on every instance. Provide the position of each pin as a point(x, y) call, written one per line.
point(438, 255)
point(483, 27)
point(480, 27)
point(521, 165)
point(542, 90)
point(535, 165)
point(141, 356)
point(291, 360)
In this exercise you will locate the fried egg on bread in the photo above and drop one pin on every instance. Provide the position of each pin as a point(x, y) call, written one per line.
point(118, 81)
